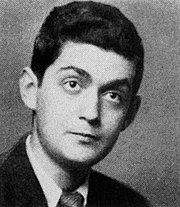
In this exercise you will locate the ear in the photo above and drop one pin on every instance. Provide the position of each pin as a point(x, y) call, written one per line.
point(132, 111)
point(28, 85)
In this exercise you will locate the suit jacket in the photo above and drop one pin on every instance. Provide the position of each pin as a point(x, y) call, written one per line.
point(19, 186)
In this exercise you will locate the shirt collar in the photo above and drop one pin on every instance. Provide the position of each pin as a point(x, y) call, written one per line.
point(51, 190)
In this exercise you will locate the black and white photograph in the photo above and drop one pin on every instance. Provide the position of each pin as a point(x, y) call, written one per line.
point(89, 103)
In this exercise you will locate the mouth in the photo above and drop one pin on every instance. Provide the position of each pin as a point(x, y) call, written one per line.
point(86, 136)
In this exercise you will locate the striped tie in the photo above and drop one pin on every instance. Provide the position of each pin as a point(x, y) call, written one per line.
point(71, 200)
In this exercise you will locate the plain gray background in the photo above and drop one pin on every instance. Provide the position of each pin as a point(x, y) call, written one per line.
point(147, 155)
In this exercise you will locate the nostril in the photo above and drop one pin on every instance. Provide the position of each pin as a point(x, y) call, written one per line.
point(94, 122)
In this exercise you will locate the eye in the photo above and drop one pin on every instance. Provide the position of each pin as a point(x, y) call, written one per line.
point(72, 86)
point(113, 96)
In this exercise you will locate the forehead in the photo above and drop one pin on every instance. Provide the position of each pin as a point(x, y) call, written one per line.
point(100, 64)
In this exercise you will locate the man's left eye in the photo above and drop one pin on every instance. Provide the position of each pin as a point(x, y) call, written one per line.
point(72, 86)
point(113, 96)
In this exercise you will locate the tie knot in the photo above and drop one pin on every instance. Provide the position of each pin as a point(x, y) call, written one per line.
point(71, 200)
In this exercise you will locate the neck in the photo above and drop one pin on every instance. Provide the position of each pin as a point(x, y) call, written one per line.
point(68, 179)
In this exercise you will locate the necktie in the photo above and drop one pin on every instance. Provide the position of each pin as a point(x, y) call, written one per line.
point(71, 200)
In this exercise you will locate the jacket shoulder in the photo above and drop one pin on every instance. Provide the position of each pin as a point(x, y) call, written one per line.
point(16, 151)
point(3, 157)
point(5, 181)
point(115, 193)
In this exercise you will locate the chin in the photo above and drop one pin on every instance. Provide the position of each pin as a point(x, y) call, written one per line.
point(79, 163)
point(78, 159)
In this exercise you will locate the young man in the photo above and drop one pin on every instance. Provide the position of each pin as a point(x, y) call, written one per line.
point(82, 87)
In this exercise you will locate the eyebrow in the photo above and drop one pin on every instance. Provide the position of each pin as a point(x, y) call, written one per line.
point(80, 71)
point(117, 83)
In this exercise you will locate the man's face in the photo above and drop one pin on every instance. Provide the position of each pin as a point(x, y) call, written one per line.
point(82, 103)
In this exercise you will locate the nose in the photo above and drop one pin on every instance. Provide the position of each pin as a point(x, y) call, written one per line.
point(90, 110)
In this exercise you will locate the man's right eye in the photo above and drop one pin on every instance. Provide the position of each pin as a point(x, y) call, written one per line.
point(72, 86)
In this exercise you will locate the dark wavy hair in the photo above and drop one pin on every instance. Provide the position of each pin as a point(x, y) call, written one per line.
point(88, 22)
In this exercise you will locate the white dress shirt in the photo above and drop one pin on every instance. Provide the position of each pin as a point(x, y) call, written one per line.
point(51, 190)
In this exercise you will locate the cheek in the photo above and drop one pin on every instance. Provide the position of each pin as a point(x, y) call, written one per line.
point(112, 125)
point(54, 113)
point(52, 104)
point(113, 118)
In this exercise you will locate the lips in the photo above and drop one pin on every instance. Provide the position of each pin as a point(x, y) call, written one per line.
point(86, 135)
